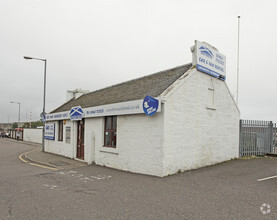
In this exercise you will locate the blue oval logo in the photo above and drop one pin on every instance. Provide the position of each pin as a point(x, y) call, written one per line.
point(150, 105)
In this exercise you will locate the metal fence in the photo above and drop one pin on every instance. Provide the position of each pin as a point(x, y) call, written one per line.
point(257, 138)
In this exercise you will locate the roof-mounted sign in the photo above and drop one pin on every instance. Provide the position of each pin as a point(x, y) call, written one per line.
point(76, 113)
point(208, 60)
point(150, 105)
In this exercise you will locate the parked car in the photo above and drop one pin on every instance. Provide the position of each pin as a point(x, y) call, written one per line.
point(7, 134)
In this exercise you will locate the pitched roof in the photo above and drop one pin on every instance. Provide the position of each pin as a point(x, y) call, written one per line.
point(136, 89)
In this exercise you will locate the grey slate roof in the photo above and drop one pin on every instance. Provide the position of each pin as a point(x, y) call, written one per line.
point(136, 89)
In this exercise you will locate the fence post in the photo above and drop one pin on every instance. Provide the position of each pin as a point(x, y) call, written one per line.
point(274, 150)
point(240, 138)
point(270, 136)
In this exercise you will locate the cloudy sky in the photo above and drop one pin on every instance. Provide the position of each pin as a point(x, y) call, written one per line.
point(93, 44)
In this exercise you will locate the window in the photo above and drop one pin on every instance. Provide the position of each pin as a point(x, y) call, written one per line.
point(110, 131)
point(60, 135)
point(210, 100)
point(211, 96)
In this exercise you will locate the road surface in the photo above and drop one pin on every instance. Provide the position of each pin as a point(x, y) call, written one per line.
point(238, 189)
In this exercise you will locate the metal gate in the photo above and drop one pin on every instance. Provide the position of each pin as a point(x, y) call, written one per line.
point(257, 138)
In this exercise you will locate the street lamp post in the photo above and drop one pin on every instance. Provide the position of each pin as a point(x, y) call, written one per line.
point(18, 112)
point(44, 95)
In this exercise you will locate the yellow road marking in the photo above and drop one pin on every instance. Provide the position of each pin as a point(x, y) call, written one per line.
point(20, 156)
point(33, 164)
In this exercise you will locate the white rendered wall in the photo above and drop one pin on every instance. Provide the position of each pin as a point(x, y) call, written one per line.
point(195, 135)
point(139, 143)
point(94, 135)
point(32, 135)
point(60, 147)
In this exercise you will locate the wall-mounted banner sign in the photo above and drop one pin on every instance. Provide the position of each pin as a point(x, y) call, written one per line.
point(49, 131)
point(208, 60)
point(76, 113)
point(121, 108)
point(150, 105)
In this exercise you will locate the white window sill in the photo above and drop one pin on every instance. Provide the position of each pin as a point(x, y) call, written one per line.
point(211, 107)
point(109, 150)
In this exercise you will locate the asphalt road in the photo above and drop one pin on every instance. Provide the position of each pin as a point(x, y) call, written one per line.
point(228, 190)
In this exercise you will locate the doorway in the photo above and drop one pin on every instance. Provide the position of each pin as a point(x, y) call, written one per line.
point(80, 139)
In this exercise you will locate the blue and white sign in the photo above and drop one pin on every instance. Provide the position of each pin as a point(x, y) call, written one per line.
point(49, 131)
point(150, 105)
point(76, 113)
point(121, 108)
point(209, 60)
point(43, 118)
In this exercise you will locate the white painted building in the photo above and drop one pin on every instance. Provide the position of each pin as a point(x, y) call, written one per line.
point(193, 122)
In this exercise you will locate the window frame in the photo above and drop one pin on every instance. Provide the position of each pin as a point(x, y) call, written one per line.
point(112, 130)
point(60, 130)
point(211, 102)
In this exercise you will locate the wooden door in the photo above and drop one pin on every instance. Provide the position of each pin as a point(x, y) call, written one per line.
point(80, 139)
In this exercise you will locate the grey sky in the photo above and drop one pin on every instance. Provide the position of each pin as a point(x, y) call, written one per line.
point(93, 44)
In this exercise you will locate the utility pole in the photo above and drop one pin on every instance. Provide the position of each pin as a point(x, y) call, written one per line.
point(238, 62)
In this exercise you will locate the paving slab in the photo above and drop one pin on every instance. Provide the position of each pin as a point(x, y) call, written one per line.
point(49, 159)
point(53, 160)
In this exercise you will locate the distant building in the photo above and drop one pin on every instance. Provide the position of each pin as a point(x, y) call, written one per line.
point(174, 120)
point(7, 126)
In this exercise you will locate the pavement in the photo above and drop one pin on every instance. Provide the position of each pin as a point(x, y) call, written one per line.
point(48, 159)
point(51, 160)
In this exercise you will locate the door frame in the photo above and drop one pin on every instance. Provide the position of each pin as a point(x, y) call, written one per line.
point(80, 151)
